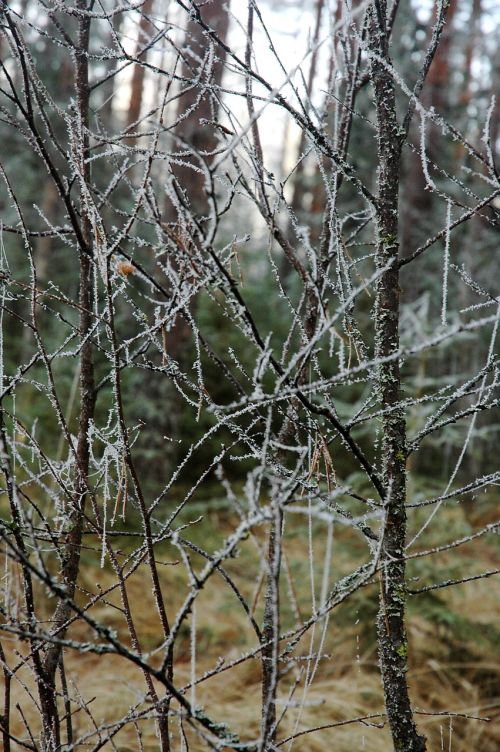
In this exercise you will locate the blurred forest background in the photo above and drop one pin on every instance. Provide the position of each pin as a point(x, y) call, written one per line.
point(464, 74)
point(177, 444)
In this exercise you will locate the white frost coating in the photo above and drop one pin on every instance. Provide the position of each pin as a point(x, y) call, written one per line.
point(237, 386)
point(468, 437)
point(423, 152)
point(446, 265)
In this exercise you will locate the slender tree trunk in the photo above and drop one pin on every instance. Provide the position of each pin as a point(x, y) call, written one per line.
point(5, 714)
point(71, 555)
point(391, 618)
point(270, 633)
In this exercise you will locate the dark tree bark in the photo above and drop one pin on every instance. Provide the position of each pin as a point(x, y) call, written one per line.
point(270, 633)
point(5, 716)
point(393, 649)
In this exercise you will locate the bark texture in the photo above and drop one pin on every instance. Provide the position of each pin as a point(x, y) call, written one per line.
point(270, 634)
point(393, 650)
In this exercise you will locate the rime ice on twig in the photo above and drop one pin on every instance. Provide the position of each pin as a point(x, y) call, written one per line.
point(218, 369)
point(446, 265)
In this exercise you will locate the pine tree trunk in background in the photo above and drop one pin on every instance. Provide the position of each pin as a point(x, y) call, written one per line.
point(197, 103)
point(416, 200)
point(469, 51)
point(467, 90)
point(137, 83)
point(197, 110)
point(198, 106)
point(437, 86)
point(416, 208)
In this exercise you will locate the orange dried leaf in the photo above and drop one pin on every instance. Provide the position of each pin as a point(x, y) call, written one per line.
point(125, 268)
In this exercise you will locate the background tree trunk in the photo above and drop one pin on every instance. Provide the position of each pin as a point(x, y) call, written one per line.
point(137, 85)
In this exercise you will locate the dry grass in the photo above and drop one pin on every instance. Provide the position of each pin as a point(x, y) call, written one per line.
point(452, 648)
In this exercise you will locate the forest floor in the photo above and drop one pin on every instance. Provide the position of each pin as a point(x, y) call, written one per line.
point(454, 647)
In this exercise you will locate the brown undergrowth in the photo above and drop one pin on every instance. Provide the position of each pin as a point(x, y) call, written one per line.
point(452, 633)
